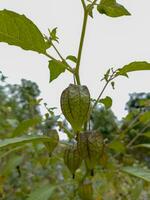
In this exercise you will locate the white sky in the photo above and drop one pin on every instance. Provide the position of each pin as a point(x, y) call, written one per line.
point(109, 42)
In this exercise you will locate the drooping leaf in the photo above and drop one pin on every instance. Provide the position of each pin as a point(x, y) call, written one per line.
point(25, 125)
point(107, 101)
point(42, 193)
point(111, 8)
point(18, 30)
point(142, 145)
point(24, 140)
point(56, 67)
point(134, 66)
point(72, 58)
point(138, 172)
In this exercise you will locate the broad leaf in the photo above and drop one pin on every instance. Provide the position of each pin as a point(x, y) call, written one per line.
point(42, 193)
point(25, 125)
point(112, 9)
point(107, 101)
point(24, 140)
point(56, 67)
point(134, 66)
point(138, 172)
point(18, 30)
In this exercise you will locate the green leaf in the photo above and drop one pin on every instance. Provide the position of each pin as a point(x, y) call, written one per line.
point(145, 117)
point(142, 145)
point(111, 8)
point(42, 193)
point(56, 67)
point(117, 146)
point(107, 101)
point(24, 140)
point(138, 172)
point(53, 34)
point(147, 134)
point(134, 66)
point(25, 125)
point(72, 58)
point(137, 190)
point(18, 30)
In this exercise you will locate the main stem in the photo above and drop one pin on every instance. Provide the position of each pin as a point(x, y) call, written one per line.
point(81, 47)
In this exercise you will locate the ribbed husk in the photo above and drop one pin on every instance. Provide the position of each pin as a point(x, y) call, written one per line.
point(86, 190)
point(75, 105)
point(90, 147)
point(72, 158)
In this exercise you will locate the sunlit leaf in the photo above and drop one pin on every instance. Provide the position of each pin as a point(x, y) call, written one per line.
point(18, 30)
point(138, 172)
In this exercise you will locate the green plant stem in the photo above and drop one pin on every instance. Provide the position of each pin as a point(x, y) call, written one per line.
point(81, 47)
point(67, 66)
point(61, 57)
point(96, 102)
point(84, 5)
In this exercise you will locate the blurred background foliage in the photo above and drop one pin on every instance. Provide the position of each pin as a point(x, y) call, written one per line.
point(28, 172)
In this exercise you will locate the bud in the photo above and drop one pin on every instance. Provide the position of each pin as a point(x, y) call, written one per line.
point(75, 105)
point(86, 190)
point(72, 159)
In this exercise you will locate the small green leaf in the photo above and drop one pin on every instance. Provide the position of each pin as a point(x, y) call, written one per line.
point(56, 67)
point(107, 101)
point(111, 8)
point(53, 34)
point(138, 172)
point(90, 8)
point(72, 58)
point(134, 66)
point(18, 30)
point(44, 192)
point(23, 140)
point(25, 125)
